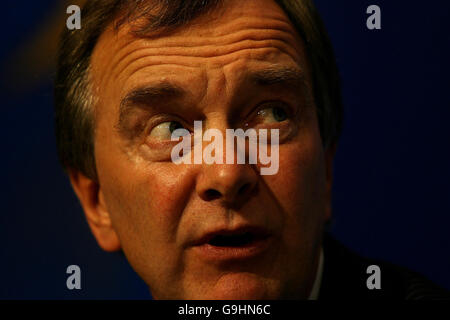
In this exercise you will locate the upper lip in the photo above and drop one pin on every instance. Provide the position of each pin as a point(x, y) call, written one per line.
point(257, 232)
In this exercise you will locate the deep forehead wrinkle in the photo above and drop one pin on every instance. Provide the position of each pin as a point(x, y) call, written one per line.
point(144, 59)
point(251, 36)
point(234, 31)
point(240, 34)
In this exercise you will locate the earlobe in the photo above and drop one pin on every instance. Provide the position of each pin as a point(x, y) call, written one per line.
point(92, 200)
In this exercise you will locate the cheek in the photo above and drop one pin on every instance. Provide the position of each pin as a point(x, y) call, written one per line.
point(150, 203)
point(143, 197)
point(300, 187)
point(145, 202)
point(167, 188)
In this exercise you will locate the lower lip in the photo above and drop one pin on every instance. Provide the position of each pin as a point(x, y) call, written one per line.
point(247, 251)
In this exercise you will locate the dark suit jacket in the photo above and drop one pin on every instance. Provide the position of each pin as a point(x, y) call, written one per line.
point(345, 276)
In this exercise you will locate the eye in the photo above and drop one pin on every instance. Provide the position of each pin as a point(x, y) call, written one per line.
point(272, 114)
point(164, 130)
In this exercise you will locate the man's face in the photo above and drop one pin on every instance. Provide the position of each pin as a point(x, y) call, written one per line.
point(238, 68)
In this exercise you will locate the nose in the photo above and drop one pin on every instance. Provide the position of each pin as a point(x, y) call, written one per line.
point(233, 184)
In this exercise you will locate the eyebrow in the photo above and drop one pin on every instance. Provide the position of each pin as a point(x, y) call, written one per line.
point(148, 94)
point(153, 94)
point(144, 96)
point(166, 90)
point(289, 76)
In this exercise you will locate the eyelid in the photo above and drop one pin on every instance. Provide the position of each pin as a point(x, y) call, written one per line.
point(161, 118)
point(270, 104)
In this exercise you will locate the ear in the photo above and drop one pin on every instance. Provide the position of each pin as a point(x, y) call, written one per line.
point(92, 200)
point(330, 151)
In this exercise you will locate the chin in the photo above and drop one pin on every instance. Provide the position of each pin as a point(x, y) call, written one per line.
point(242, 287)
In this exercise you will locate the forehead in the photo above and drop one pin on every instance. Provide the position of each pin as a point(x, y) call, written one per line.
point(238, 35)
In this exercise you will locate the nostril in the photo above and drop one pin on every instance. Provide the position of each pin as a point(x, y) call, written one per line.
point(212, 194)
point(244, 188)
point(238, 195)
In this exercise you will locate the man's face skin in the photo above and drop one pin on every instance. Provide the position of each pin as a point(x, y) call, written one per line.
point(158, 212)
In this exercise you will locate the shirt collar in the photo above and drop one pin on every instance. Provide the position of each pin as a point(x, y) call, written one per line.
point(314, 295)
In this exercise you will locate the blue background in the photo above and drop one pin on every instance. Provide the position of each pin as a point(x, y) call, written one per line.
point(392, 173)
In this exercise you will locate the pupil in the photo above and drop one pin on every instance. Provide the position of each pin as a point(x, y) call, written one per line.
point(279, 114)
point(174, 125)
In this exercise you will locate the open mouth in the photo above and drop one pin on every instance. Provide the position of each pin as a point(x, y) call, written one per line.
point(233, 240)
point(227, 245)
point(236, 239)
